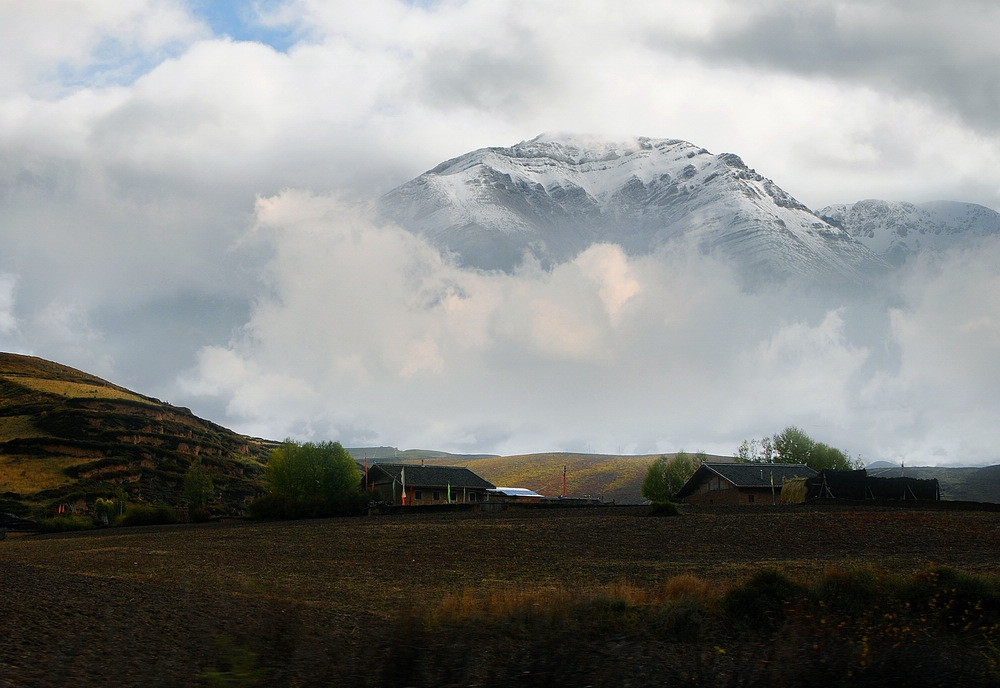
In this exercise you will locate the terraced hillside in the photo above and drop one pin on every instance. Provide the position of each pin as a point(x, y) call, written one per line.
point(67, 437)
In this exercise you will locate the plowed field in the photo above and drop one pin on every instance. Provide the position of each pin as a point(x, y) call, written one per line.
point(341, 602)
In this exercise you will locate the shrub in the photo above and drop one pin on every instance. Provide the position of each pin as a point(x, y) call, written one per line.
point(144, 515)
point(62, 524)
point(688, 586)
point(853, 592)
point(278, 507)
point(760, 602)
point(664, 509)
point(200, 515)
point(681, 620)
point(954, 598)
point(274, 507)
point(242, 671)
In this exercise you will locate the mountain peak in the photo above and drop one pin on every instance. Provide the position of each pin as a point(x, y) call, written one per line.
point(556, 194)
point(898, 230)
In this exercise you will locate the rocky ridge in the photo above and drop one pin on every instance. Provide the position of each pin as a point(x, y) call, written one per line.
point(899, 230)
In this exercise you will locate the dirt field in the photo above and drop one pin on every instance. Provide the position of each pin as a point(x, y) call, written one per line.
point(341, 602)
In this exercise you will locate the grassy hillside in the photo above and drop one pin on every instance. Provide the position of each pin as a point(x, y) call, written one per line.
point(67, 436)
point(613, 478)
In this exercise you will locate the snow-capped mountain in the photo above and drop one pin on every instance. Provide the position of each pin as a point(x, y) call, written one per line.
point(554, 196)
point(896, 231)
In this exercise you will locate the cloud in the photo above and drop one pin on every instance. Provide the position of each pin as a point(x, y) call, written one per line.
point(106, 41)
point(369, 335)
point(8, 320)
point(923, 50)
point(136, 148)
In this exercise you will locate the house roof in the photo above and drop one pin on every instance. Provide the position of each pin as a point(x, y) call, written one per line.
point(430, 476)
point(516, 492)
point(747, 475)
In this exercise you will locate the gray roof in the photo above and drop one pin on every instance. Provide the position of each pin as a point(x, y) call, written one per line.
point(429, 476)
point(748, 475)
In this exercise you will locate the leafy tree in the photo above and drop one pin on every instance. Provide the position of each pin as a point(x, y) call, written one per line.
point(104, 510)
point(198, 487)
point(654, 485)
point(311, 480)
point(793, 445)
point(756, 451)
point(823, 456)
point(120, 499)
point(667, 475)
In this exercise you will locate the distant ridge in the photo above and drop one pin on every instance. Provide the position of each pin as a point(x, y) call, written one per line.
point(392, 454)
point(897, 231)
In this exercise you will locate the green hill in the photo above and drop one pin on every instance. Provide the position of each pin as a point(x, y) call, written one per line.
point(68, 437)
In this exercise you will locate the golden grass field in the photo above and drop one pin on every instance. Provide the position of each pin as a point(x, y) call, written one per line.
point(76, 390)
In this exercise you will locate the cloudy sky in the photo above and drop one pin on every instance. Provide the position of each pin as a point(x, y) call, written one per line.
point(185, 194)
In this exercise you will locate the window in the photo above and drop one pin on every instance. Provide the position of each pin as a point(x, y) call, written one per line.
point(750, 498)
point(437, 496)
point(418, 494)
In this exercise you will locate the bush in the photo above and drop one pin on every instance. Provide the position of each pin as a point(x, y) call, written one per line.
point(62, 524)
point(853, 592)
point(200, 515)
point(760, 602)
point(279, 507)
point(274, 507)
point(144, 515)
point(664, 509)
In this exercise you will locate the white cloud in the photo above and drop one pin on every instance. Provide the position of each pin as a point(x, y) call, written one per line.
point(369, 336)
point(135, 149)
point(76, 40)
point(8, 320)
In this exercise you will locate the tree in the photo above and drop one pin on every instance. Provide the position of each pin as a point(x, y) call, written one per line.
point(198, 487)
point(312, 480)
point(756, 451)
point(654, 485)
point(104, 510)
point(667, 475)
point(823, 456)
point(793, 445)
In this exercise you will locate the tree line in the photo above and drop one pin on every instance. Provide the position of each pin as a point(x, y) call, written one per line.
point(668, 474)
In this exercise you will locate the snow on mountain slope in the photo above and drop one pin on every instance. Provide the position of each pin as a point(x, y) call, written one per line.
point(898, 230)
point(554, 196)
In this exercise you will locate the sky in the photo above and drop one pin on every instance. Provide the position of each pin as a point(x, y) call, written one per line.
point(186, 192)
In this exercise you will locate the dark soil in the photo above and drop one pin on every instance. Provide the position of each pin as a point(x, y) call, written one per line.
point(346, 602)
